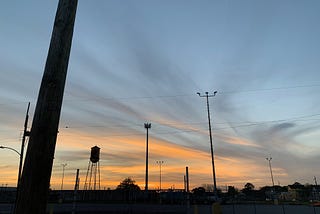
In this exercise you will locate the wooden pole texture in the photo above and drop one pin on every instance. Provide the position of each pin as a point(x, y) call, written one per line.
point(35, 180)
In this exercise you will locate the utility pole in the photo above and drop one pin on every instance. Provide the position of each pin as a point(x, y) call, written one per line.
point(160, 164)
point(315, 180)
point(25, 134)
point(63, 166)
point(35, 179)
point(147, 126)
point(207, 95)
point(269, 159)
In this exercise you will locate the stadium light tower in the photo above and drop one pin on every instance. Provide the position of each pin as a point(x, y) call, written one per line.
point(160, 162)
point(63, 166)
point(207, 95)
point(269, 159)
point(147, 126)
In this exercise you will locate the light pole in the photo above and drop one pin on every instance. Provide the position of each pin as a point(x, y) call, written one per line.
point(63, 166)
point(160, 162)
point(147, 126)
point(19, 175)
point(210, 136)
point(12, 149)
point(269, 159)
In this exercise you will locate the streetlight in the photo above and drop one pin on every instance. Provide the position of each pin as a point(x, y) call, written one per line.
point(19, 172)
point(210, 135)
point(63, 166)
point(26, 133)
point(269, 159)
point(12, 149)
point(147, 126)
point(160, 162)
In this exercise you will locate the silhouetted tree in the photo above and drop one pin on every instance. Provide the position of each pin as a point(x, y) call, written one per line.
point(208, 187)
point(199, 191)
point(232, 191)
point(296, 185)
point(199, 195)
point(128, 184)
point(276, 188)
point(249, 191)
point(249, 186)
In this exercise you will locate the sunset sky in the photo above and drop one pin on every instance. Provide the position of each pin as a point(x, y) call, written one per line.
point(137, 61)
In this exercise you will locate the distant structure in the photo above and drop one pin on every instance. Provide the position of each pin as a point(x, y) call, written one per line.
point(92, 181)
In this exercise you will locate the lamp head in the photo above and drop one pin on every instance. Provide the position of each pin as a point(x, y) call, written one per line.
point(147, 125)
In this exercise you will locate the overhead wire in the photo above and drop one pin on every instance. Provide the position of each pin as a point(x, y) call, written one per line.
point(84, 99)
point(243, 124)
point(189, 95)
point(246, 124)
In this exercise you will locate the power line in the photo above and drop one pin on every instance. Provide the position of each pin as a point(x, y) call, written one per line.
point(242, 125)
point(126, 98)
point(184, 131)
point(272, 89)
point(191, 95)
point(245, 123)
point(172, 96)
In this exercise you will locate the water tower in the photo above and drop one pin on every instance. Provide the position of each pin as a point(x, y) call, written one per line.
point(92, 181)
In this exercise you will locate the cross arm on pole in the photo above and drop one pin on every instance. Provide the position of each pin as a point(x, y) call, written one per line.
point(207, 94)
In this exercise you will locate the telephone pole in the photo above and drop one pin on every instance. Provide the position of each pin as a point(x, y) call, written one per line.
point(35, 179)
point(207, 95)
point(26, 133)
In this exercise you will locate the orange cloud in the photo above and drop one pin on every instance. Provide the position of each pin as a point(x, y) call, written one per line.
point(124, 156)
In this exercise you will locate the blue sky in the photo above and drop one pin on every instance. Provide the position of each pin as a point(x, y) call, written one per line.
point(138, 61)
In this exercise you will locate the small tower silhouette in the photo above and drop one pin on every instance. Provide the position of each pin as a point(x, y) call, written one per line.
point(92, 181)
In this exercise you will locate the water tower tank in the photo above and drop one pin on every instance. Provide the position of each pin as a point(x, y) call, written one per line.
point(95, 154)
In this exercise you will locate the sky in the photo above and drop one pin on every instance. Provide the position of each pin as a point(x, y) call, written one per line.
point(138, 61)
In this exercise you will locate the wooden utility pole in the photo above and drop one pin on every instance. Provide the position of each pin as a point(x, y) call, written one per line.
point(35, 179)
point(26, 133)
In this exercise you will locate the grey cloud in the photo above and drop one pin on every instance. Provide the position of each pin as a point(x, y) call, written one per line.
point(282, 127)
point(67, 155)
point(124, 158)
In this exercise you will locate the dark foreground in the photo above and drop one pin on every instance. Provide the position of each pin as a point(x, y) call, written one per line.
point(90, 208)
